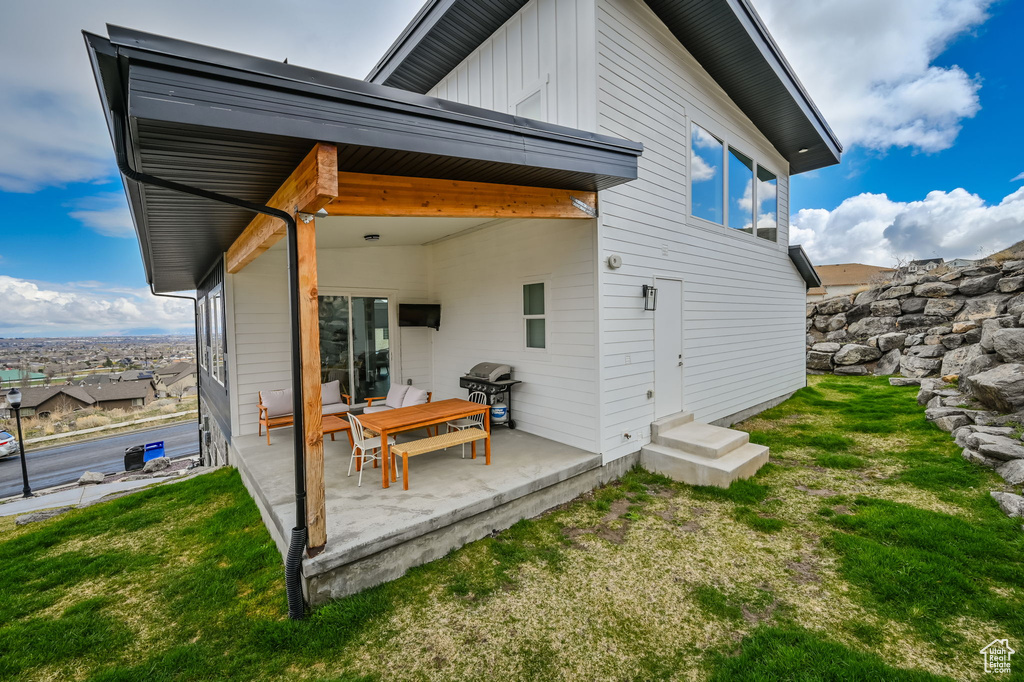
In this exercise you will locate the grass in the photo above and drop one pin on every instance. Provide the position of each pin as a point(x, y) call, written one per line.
point(868, 550)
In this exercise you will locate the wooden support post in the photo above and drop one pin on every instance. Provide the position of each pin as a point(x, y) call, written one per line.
point(309, 335)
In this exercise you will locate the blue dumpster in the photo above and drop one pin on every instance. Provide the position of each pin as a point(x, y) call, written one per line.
point(154, 450)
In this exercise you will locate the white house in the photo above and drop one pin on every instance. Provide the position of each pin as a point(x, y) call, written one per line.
point(594, 192)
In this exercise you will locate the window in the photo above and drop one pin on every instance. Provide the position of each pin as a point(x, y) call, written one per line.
point(533, 314)
point(727, 187)
point(767, 204)
point(216, 334)
point(706, 175)
point(741, 191)
point(204, 339)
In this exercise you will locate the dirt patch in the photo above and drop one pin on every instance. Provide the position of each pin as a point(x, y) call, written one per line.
point(668, 513)
point(690, 526)
point(823, 492)
point(698, 511)
point(842, 509)
point(804, 571)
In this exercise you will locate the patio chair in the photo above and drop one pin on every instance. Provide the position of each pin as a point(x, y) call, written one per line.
point(399, 395)
point(471, 422)
point(366, 446)
point(276, 406)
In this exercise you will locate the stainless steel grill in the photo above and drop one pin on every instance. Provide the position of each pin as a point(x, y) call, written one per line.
point(493, 379)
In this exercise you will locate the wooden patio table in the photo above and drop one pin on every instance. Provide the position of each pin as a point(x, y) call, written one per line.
point(418, 417)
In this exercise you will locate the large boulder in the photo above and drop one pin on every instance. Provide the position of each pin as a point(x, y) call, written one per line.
point(853, 370)
point(1013, 265)
point(834, 306)
point(943, 307)
point(989, 327)
point(865, 297)
point(975, 286)
point(821, 361)
point(156, 464)
point(1001, 388)
point(889, 363)
point(913, 304)
point(896, 292)
point(1011, 505)
point(954, 361)
point(1012, 472)
point(922, 322)
point(996, 447)
point(982, 270)
point(872, 326)
point(911, 366)
point(979, 364)
point(887, 308)
point(964, 327)
point(1015, 305)
point(935, 289)
point(952, 422)
point(952, 341)
point(91, 477)
point(811, 308)
point(886, 342)
point(1009, 344)
point(927, 351)
point(857, 312)
point(981, 307)
point(826, 347)
point(856, 354)
point(1008, 285)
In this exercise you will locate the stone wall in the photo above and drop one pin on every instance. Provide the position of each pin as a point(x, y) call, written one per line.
point(961, 323)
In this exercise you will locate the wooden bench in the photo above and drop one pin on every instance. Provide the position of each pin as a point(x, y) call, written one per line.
point(445, 440)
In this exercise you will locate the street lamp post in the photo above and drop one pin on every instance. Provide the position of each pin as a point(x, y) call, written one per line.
point(14, 400)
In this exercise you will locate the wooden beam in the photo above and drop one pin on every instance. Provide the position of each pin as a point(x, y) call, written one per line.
point(361, 194)
point(309, 336)
point(311, 185)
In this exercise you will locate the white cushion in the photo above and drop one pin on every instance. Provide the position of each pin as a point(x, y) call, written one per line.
point(376, 408)
point(330, 392)
point(278, 403)
point(414, 396)
point(334, 408)
point(396, 395)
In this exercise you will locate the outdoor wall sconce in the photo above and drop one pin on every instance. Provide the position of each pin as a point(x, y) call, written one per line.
point(650, 297)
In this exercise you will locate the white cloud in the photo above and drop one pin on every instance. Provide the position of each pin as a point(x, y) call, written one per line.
point(107, 214)
point(1019, 176)
point(868, 66)
point(86, 308)
point(700, 169)
point(53, 131)
point(870, 228)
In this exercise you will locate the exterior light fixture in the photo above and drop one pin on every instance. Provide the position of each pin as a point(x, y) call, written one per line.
point(14, 400)
point(804, 150)
point(371, 237)
point(650, 297)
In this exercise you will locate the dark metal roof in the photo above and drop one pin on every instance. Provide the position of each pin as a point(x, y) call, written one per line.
point(804, 266)
point(727, 37)
point(238, 125)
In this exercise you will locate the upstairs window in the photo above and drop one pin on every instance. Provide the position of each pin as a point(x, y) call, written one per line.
point(741, 191)
point(767, 204)
point(706, 176)
point(533, 315)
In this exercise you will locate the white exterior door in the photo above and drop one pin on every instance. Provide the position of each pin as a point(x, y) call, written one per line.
point(668, 348)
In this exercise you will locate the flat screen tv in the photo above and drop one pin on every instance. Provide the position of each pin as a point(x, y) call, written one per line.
point(419, 315)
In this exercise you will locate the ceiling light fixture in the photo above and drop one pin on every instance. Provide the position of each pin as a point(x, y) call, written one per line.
point(371, 237)
point(802, 151)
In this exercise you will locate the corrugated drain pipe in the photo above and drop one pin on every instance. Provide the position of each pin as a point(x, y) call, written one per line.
point(293, 562)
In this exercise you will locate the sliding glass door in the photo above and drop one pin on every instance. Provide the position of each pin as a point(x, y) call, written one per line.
point(355, 344)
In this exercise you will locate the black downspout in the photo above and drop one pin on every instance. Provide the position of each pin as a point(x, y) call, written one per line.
point(199, 378)
point(293, 562)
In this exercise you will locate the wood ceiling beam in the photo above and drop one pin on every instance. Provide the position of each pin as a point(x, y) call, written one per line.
point(362, 194)
point(309, 188)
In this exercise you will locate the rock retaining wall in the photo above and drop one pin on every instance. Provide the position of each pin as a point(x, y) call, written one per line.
point(968, 322)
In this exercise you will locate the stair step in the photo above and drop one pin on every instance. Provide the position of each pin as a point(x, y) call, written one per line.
point(673, 420)
point(702, 439)
point(694, 469)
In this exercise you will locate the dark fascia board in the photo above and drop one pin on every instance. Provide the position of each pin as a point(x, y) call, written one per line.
point(413, 63)
point(804, 266)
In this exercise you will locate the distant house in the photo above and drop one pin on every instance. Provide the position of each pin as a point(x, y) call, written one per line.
point(178, 379)
point(123, 395)
point(846, 278)
point(136, 375)
point(923, 265)
point(39, 401)
point(95, 379)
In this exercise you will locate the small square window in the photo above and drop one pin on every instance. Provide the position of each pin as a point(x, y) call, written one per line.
point(535, 333)
point(533, 299)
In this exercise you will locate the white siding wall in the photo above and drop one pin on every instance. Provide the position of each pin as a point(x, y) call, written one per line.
point(479, 279)
point(259, 315)
point(548, 44)
point(743, 299)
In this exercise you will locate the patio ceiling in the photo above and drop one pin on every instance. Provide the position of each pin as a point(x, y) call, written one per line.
point(240, 125)
point(336, 232)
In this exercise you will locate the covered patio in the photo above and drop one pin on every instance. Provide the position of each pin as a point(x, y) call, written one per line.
point(376, 534)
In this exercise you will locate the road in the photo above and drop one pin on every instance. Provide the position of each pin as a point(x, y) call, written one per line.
point(65, 463)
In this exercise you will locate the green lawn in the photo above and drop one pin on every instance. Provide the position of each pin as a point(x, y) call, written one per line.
point(868, 550)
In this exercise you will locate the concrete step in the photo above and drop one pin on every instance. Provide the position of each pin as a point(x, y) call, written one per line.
point(743, 462)
point(670, 422)
point(701, 439)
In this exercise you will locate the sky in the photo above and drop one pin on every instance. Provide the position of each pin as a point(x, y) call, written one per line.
point(925, 96)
